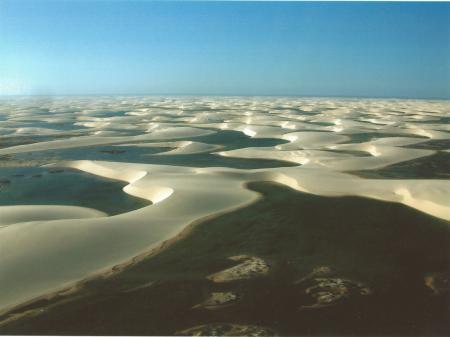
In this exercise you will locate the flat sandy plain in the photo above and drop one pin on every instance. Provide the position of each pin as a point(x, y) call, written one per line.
point(224, 215)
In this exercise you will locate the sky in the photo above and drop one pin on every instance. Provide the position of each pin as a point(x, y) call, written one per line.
point(381, 49)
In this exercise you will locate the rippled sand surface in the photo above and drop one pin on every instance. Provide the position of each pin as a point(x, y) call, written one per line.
point(191, 158)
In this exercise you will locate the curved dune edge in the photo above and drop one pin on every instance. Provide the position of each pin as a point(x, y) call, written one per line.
point(180, 195)
point(73, 287)
point(24, 213)
point(71, 244)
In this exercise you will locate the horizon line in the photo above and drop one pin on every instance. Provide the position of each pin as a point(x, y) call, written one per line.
point(229, 95)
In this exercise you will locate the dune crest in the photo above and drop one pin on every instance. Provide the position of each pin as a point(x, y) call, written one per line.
point(325, 137)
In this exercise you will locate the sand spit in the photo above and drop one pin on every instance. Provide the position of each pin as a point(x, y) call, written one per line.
point(249, 267)
point(218, 300)
point(71, 243)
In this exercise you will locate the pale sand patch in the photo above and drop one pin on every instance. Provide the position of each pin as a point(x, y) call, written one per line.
point(250, 267)
point(218, 300)
point(227, 329)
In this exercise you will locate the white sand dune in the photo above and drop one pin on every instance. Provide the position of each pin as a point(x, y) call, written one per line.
point(168, 133)
point(310, 140)
point(25, 213)
point(43, 248)
point(189, 147)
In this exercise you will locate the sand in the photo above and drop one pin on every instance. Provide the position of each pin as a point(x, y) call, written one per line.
point(71, 243)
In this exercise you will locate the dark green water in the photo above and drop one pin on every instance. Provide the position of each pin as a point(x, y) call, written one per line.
point(387, 246)
point(438, 144)
point(232, 140)
point(39, 186)
point(134, 154)
point(436, 166)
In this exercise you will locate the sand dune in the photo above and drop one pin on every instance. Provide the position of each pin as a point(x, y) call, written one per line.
point(70, 243)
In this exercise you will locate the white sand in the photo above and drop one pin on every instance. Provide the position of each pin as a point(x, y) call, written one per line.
point(44, 248)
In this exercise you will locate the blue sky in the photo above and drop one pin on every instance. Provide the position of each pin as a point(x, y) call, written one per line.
point(235, 48)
